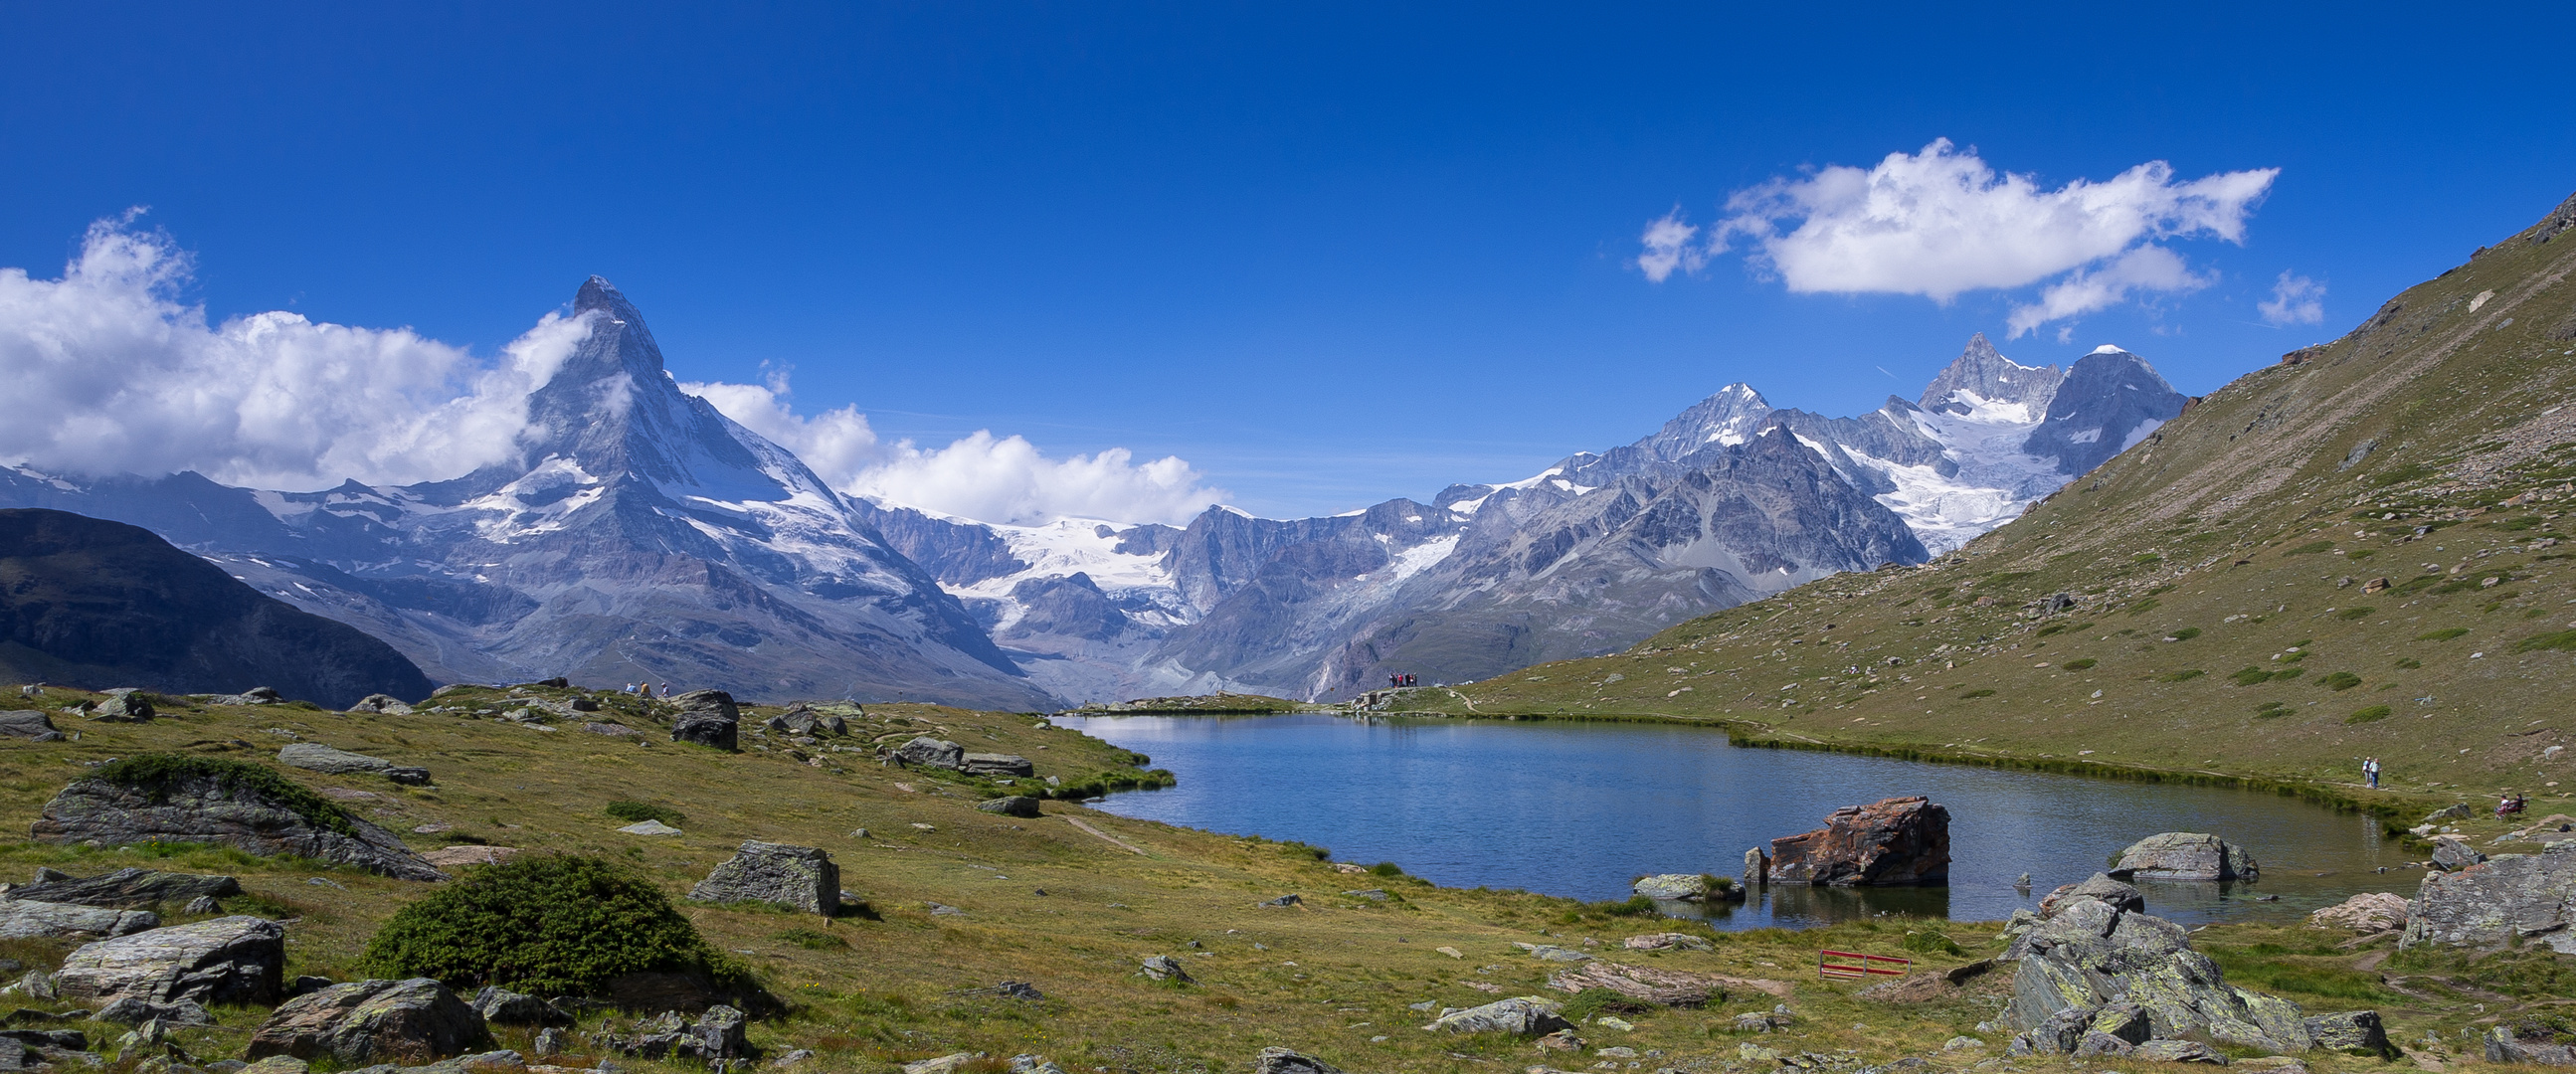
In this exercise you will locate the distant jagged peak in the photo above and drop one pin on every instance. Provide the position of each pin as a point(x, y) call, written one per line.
point(1981, 375)
point(1729, 416)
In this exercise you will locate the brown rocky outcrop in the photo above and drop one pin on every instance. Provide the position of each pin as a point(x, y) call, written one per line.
point(1669, 988)
point(1890, 842)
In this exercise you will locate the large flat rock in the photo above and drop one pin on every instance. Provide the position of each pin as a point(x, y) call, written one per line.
point(225, 960)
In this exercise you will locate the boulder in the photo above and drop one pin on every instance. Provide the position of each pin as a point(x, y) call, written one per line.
point(29, 724)
point(226, 960)
point(22, 919)
point(2101, 887)
point(1889, 842)
point(1687, 887)
point(500, 1006)
point(2185, 856)
point(1017, 805)
point(124, 706)
point(2454, 853)
point(2490, 904)
point(2093, 956)
point(932, 753)
point(1668, 988)
point(2352, 1031)
point(316, 757)
point(136, 1010)
point(412, 1022)
point(265, 818)
point(1276, 1060)
point(2454, 811)
point(706, 729)
point(996, 764)
point(800, 878)
point(2535, 1045)
point(257, 695)
point(382, 704)
point(1657, 941)
point(1166, 968)
point(1521, 1016)
point(715, 1035)
point(2370, 911)
point(130, 889)
point(716, 703)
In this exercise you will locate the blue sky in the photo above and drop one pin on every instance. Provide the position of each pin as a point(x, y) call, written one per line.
point(1326, 254)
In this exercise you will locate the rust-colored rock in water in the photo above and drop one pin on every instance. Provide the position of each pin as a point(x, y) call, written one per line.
point(1894, 841)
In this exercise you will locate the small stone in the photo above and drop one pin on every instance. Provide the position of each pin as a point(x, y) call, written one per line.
point(1614, 1022)
point(1166, 968)
point(1276, 1060)
point(649, 827)
point(946, 1064)
point(1450, 951)
point(1958, 1043)
point(551, 1041)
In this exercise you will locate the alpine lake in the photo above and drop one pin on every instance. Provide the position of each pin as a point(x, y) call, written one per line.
point(1581, 809)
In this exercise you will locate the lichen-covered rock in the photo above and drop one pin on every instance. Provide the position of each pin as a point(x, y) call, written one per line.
point(2353, 1031)
point(2100, 886)
point(1649, 984)
point(717, 1034)
point(932, 752)
point(996, 764)
point(2177, 1051)
point(2489, 904)
point(1166, 968)
point(226, 960)
point(716, 703)
point(1690, 887)
point(130, 889)
point(22, 919)
point(2186, 856)
point(2536, 1045)
point(123, 706)
point(2092, 955)
point(412, 1022)
point(801, 878)
point(1657, 941)
point(1889, 842)
point(2454, 853)
point(29, 724)
point(382, 704)
point(1017, 805)
point(263, 816)
point(500, 1006)
point(2370, 911)
point(136, 1010)
point(1521, 1016)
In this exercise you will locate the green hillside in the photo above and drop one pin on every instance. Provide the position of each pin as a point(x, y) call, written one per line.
point(2357, 551)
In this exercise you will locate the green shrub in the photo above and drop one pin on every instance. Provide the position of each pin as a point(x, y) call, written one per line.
point(2182, 676)
point(643, 811)
point(1386, 868)
point(2185, 634)
point(2441, 635)
point(2561, 640)
point(2289, 673)
point(2251, 676)
point(550, 924)
point(156, 773)
point(2409, 664)
point(2079, 665)
point(1632, 906)
point(2374, 712)
point(2341, 680)
point(1975, 694)
point(2355, 612)
point(1929, 941)
point(2271, 709)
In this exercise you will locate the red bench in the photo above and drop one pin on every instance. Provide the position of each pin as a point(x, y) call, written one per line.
point(1852, 965)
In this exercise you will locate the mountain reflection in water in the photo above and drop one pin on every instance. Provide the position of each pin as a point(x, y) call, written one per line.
point(1579, 809)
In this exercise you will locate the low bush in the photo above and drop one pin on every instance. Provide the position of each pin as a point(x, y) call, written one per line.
point(550, 924)
point(2374, 712)
point(2341, 680)
point(2441, 635)
point(1975, 694)
point(2079, 665)
point(637, 812)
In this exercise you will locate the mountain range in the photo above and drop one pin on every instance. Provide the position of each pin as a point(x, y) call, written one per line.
point(640, 534)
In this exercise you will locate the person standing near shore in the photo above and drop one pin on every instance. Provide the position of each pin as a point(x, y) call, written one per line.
point(2370, 771)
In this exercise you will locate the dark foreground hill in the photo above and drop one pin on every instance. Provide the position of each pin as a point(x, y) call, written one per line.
point(99, 603)
point(2358, 551)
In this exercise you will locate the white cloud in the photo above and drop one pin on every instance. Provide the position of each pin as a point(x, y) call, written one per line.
point(108, 373)
point(2295, 300)
point(982, 477)
point(2147, 268)
point(1668, 247)
point(1941, 222)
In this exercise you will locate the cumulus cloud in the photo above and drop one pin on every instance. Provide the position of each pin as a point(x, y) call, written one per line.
point(2147, 268)
point(2295, 300)
point(982, 477)
point(110, 373)
point(1942, 222)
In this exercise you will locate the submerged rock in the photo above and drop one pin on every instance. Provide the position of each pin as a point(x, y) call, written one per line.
point(1890, 842)
point(2185, 856)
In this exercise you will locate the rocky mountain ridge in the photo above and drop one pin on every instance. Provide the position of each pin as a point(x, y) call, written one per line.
point(640, 534)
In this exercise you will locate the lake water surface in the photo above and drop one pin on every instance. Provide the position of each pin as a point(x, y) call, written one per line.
point(1578, 809)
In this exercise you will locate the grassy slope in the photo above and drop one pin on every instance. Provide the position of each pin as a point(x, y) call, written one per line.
point(2198, 560)
point(1336, 973)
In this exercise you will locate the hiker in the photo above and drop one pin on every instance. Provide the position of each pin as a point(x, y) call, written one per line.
point(2370, 771)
